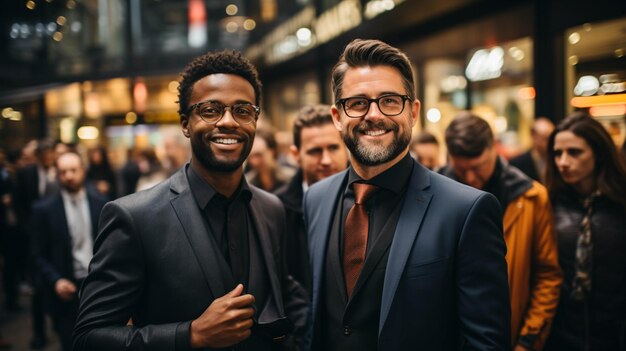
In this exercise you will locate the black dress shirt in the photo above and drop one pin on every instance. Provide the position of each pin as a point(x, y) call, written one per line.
point(227, 219)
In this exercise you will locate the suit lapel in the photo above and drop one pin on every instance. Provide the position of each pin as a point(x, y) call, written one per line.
point(60, 219)
point(213, 265)
point(336, 260)
point(319, 219)
point(413, 210)
point(263, 235)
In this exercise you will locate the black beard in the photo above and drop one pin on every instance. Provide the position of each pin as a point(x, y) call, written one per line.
point(206, 158)
point(364, 156)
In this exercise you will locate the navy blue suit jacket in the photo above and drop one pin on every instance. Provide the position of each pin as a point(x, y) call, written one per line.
point(445, 284)
point(52, 242)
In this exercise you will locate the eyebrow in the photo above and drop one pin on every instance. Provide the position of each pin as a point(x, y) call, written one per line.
point(220, 102)
point(379, 95)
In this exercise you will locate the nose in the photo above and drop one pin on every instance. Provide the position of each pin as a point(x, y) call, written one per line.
point(326, 160)
point(227, 120)
point(374, 111)
point(562, 160)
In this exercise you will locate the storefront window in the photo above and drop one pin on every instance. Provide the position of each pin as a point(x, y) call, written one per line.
point(502, 92)
point(595, 61)
point(494, 82)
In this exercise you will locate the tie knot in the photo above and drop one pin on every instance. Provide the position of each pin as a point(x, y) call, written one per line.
point(362, 192)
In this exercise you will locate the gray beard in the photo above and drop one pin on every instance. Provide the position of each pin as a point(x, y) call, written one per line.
point(372, 155)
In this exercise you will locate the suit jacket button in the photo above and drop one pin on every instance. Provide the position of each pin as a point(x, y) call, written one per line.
point(346, 330)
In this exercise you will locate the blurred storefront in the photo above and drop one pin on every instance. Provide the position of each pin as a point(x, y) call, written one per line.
point(111, 69)
point(508, 62)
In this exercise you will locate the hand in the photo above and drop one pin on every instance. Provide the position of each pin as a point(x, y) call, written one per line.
point(226, 322)
point(519, 347)
point(65, 289)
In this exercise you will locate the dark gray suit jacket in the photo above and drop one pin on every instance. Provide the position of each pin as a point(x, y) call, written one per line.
point(445, 284)
point(156, 262)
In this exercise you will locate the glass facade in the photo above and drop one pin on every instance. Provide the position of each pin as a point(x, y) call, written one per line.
point(595, 65)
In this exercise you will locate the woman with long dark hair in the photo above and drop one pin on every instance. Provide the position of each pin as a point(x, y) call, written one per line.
point(586, 178)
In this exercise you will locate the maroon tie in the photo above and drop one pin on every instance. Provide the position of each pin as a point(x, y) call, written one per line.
point(355, 235)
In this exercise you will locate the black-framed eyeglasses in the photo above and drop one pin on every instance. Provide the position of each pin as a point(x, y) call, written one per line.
point(389, 105)
point(212, 111)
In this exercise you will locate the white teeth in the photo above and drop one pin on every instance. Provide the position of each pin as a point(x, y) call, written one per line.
point(375, 132)
point(226, 141)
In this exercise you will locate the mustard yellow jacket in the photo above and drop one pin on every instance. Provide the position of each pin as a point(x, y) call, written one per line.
point(532, 260)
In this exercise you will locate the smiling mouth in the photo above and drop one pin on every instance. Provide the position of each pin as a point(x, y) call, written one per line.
point(225, 141)
point(375, 132)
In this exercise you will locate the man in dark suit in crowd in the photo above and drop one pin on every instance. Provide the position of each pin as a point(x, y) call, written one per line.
point(320, 152)
point(533, 161)
point(402, 258)
point(64, 227)
point(194, 262)
point(34, 182)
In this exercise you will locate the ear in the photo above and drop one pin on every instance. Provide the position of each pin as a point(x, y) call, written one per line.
point(295, 153)
point(184, 123)
point(336, 118)
point(415, 115)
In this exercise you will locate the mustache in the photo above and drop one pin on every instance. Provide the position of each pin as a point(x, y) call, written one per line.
point(367, 125)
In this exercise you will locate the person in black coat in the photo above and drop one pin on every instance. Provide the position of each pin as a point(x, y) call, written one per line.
point(533, 161)
point(195, 260)
point(585, 178)
point(320, 153)
point(64, 226)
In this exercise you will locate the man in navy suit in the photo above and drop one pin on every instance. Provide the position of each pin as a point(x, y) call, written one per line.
point(64, 228)
point(428, 271)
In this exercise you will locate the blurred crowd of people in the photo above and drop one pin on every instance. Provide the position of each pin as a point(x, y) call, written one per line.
point(564, 203)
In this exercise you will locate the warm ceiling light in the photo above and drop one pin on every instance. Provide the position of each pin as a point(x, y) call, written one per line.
point(88, 133)
point(249, 24)
point(61, 20)
point(6, 112)
point(232, 10)
point(57, 36)
point(231, 27)
point(31, 5)
point(71, 4)
point(131, 117)
point(574, 38)
point(526, 93)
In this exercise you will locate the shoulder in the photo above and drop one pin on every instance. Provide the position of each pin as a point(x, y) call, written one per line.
point(48, 201)
point(325, 187)
point(447, 187)
point(537, 193)
point(144, 199)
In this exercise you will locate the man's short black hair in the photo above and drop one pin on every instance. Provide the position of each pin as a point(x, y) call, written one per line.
point(228, 62)
point(468, 136)
point(310, 116)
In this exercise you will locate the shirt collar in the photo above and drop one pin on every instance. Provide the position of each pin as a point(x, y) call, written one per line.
point(394, 179)
point(203, 192)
